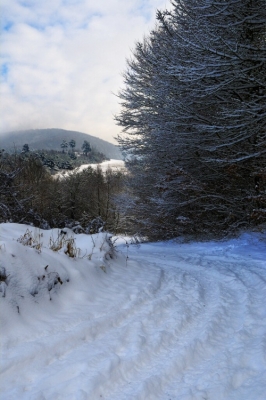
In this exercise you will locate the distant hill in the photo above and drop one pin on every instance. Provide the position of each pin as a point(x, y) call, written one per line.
point(50, 139)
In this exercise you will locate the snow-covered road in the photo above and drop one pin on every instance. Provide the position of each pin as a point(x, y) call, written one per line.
point(174, 321)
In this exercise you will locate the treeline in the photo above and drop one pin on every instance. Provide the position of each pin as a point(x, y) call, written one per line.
point(194, 121)
point(84, 201)
point(69, 158)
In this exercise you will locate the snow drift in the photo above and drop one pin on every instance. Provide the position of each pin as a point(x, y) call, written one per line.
point(156, 321)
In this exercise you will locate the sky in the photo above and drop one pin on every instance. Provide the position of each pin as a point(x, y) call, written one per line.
point(62, 61)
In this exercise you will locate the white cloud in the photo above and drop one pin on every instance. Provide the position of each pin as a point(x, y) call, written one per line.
point(62, 61)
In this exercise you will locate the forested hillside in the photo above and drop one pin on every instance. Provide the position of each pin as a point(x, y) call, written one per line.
point(194, 120)
point(51, 139)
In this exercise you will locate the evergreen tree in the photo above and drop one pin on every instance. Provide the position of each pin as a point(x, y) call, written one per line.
point(25, 148)
point(72, 144)
point(193, 113)
point(86, 147)
point(64, 145)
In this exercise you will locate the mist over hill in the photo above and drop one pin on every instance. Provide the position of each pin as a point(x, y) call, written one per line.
point(50, 139)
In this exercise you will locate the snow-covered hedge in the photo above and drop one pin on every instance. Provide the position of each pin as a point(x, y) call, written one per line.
point(37, 264)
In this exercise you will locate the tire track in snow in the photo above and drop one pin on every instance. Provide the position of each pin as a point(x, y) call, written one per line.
point(216, 341)
point(229, 344)
point(196, 332)
point(65, 344)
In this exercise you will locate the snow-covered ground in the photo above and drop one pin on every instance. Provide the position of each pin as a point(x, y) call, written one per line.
point(114, 165)
point(156, 321)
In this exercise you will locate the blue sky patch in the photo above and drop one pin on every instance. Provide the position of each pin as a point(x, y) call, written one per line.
point(7, 26)
point(4, 70)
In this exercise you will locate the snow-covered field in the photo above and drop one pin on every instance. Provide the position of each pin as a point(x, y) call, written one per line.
point(156, 321)
point(114, 165)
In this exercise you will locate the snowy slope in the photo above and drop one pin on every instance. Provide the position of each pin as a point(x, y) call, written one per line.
point(172, 321)
point(114, 165)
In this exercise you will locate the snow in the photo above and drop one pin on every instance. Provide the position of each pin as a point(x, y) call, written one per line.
point(114, 165)
point(152, 321)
